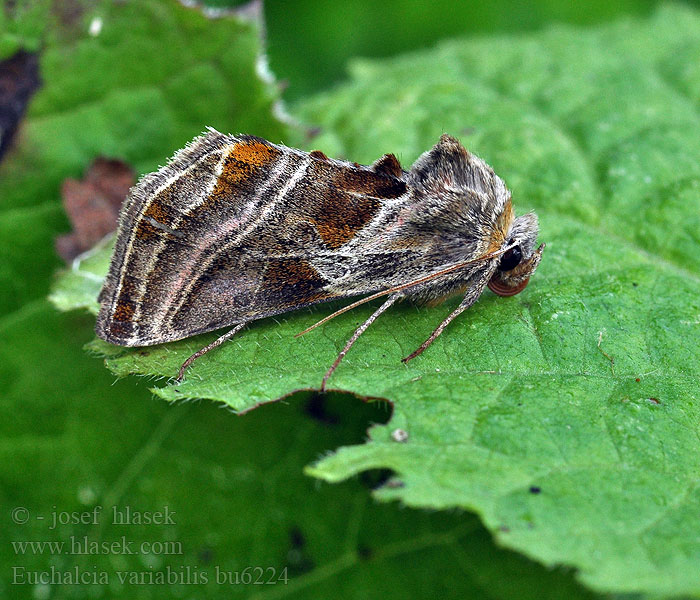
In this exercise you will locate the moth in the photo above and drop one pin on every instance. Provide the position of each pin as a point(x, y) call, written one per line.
point(235, 228)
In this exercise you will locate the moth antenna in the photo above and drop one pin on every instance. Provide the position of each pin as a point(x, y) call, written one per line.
point(344, 309)
point(358, 332)
point(403, 286)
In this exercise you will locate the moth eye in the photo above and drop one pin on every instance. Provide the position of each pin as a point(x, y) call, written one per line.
point(510, 259)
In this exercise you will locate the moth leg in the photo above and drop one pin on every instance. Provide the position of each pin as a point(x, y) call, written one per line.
point(217, 342)
point(470, 297)
point(358, 332)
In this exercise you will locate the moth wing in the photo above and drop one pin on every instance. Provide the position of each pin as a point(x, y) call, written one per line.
point(226, 232)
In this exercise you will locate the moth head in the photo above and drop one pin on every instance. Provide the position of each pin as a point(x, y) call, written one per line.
point(520, 260)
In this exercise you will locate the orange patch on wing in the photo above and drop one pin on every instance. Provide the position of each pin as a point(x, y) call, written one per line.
point(340, 216)
point(293, 281)
point(254, 152)
point(388, 165)
point(158, 211)
point(501, 228)
point(349, 200)
point(124, 310)
point(146, 231)
point(317, 154)
point(245, 160)
point(361, 181)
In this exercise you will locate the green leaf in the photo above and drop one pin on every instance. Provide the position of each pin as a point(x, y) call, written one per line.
point(74, 439)
point(234, 489)
point(567, 416)
point(23, 24)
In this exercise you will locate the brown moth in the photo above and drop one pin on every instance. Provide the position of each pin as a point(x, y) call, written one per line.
point(235, 228)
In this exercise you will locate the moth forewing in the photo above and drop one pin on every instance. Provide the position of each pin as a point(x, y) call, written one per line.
point(236, 228)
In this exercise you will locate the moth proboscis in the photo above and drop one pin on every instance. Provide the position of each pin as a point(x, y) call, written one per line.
point(236, 228)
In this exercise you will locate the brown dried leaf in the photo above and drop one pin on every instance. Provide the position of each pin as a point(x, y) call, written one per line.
point(93, 204)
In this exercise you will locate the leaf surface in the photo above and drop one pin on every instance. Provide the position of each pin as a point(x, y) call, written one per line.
point(77, 442)
point(567, 416)
point(234, 490)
